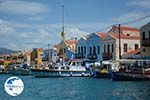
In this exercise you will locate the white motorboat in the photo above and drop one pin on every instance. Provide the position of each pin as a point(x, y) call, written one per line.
point(74, 69)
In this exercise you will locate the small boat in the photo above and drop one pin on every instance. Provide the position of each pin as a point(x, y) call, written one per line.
point(19, 69)
point(104, 70)
point(129, 76)
point(73, 69)
point(132, 73)
point(2, 70)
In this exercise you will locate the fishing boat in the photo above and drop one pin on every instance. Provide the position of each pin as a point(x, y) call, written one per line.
point(132, 70)
point(72, 69)
point(104, 70)
point(19, 69)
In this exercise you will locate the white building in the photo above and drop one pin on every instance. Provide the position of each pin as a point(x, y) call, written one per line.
point(81, 48)
point(129, 38)
point(145, 40)
point(90, 47)
point(51, 55)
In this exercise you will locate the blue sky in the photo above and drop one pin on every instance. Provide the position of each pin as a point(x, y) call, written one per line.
point(27, 24)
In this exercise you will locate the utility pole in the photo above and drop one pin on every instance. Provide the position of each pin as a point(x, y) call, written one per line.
point(49, 53)
point(119, 42)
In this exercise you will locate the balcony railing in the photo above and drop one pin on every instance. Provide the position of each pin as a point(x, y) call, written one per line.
point(92, 56)
point(145, 42)
point(107, 56)
point(79, 56)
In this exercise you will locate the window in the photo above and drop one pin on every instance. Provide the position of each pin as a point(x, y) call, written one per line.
point(94, 50)
point(125, 47)
point(79, 50)
point(90, 50)
point(84, 49)
point(108, 48)
point(128, 34)
point(104, 48)
point(143, 35)
point(112, 47)
point(98, 48)
point(136, 46)
point(144, 50)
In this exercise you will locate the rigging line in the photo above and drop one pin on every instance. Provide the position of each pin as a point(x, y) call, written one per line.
point(136, 20)
point(106, 28)
point(129, 22)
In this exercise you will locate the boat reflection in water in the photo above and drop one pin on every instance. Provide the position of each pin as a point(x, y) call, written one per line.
point(74, 68)
point(132, 70)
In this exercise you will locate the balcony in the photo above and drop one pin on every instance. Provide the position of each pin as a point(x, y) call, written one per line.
point(79, 56)
point(107, 56)
point(92, 56)
point(145, 42)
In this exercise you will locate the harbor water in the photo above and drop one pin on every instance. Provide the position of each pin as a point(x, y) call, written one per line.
point(77, 88)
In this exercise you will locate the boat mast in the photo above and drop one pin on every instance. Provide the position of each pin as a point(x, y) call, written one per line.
point(62, 33)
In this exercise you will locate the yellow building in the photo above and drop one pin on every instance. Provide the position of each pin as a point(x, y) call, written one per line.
point(145, 41)
point(36, 56)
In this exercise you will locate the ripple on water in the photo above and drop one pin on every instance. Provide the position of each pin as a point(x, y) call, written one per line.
point(77, 89)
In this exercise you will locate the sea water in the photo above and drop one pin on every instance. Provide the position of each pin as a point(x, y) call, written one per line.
point(77, 88)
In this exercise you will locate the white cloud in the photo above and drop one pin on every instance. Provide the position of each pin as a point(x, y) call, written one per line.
point(22, 7)
point(124, 18)
point(28, 36)
point(5, 29)
point(140, 3)
point(128, 17)
point(36, 18)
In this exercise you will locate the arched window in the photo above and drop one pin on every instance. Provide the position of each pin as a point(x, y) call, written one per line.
point(90, 50)
point(94, 50)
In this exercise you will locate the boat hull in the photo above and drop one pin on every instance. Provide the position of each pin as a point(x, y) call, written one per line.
point(122, 76)
point(102, 75)
point(57, 73)
point(20, 72)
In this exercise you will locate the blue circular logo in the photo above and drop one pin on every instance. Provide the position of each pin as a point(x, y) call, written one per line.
point(14, 86)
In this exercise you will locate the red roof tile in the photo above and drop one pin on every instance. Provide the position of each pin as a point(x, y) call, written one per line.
point(123, 36)
point(126, 28)
point(70, 41)
point(134, 51)
point(102, 35)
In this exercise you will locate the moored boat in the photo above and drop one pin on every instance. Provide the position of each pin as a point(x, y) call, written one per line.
point(134, 70)
point(2, 69)
point(74, 69)
point(104, 70)
point(19, 69)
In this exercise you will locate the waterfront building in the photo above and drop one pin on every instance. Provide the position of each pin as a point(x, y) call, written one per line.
point(130, 41)
point(27, 57)
point(145, 40)
point(36, 56)
point(50, 55)
point(67, 48)
point(81, 48)
point(90, 47)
